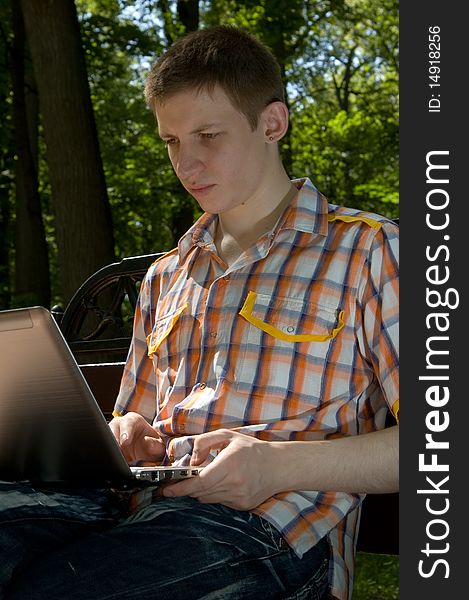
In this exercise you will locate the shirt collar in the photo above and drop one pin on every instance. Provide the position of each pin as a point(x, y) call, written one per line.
point(202, 234)
point(307, 212)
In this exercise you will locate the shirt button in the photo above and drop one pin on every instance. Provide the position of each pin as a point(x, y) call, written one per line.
point(290, 329)
point(213, 334)
point(202, 386)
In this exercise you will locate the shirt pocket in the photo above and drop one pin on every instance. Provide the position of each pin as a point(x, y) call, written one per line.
point(286, 343)
point(161, 330)
point(290, 320)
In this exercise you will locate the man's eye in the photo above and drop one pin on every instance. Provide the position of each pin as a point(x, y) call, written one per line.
point(169, 142)
point(209, 136)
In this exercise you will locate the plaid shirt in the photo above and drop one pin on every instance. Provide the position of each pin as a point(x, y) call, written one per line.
point(297, 340)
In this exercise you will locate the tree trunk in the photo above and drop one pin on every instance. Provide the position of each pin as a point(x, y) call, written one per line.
point(6, 168)
point(182, 218)
point(32, 282)
point(5, 294)
point(83, 220)
point(168, 25)
point(188, 13)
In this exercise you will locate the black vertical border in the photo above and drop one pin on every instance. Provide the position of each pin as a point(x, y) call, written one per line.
point(423, 131)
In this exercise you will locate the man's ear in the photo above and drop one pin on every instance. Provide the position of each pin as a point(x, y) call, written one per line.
point(274, 121)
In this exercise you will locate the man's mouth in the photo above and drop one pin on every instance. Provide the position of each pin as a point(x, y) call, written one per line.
point(200, 189)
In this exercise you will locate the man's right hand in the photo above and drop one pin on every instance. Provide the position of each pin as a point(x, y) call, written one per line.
point(137, 439)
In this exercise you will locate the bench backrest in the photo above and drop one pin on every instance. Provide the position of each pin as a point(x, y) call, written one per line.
point(97, 322)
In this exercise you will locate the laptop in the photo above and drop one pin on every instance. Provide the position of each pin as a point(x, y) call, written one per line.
point(51, 427)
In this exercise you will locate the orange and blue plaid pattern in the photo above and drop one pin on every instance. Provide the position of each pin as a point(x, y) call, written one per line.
point(297, 340)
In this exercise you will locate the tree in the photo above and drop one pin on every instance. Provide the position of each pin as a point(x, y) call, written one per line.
point(32, 281)
point(339, 58)
point(6, 155)
point(83, 221)
point(143, 191)
point(186, 18)
point(345, 113)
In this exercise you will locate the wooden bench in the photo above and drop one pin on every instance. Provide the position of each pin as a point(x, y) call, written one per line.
point(97, 324)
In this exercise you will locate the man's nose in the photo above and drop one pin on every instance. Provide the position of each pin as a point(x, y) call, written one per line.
point(187, 164)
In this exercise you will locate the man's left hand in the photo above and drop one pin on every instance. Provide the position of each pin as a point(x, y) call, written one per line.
point(241, 476)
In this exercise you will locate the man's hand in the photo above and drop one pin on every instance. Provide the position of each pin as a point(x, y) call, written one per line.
point(137, 439)
point(241, 476)
point(247, 471)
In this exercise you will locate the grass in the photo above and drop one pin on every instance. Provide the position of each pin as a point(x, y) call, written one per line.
point(376, 577)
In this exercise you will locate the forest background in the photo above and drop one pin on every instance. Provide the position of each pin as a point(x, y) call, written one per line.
point(84, 179)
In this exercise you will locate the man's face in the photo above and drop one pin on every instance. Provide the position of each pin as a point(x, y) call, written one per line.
point(215, 154)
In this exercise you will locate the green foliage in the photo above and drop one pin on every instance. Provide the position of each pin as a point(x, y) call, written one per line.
point(340, 61)
point(376, 577)
point(142, 188)
point(344, 105)
point(348, 155)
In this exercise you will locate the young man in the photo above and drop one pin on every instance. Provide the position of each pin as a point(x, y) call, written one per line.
point(269, 335)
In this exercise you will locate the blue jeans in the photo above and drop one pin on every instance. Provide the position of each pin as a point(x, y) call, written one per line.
point(80, 544)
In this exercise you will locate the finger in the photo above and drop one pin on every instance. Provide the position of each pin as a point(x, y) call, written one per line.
point(147, 448)
point(153, 448)
point(190, 487)
point(114, 427)
point(120, 431)
point(209, 481)
point(128, 453)
point(222, 497)
point(126, 426)
point(132, 427)
point(206, 442)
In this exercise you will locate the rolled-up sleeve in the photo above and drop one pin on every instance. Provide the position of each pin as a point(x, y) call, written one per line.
point(138, 389)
